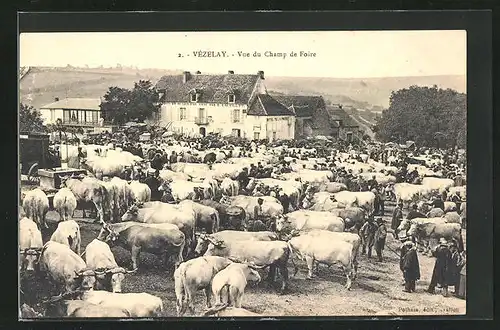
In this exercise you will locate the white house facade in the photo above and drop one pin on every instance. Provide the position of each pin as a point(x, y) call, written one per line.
point(229, 104)
point(76, 112)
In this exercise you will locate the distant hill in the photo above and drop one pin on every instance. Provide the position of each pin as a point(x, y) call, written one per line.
point(360, 92)
point(40, 85)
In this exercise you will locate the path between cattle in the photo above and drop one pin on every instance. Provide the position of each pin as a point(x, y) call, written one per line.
point(377, 291)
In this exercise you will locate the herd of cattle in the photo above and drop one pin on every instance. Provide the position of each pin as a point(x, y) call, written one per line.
point(204, 235)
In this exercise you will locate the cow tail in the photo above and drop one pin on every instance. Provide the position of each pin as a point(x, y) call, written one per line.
point(216, 223)
point(460, 241)
point(296, 269)
point(70, 241)
point(223, 290)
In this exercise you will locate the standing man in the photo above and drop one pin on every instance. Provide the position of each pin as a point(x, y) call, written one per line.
point(409, 264)
point(153, 183)
point(397, 217)
point(457, 262)
point(441, 275)
point(367, 233)
point(381, 200)
point(380, 236)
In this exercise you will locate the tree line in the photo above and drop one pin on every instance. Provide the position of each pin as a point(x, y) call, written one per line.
point(430, 116)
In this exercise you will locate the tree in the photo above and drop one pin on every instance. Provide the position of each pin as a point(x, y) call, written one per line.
point(121, 105)
point(428, 116)
point(30, 119)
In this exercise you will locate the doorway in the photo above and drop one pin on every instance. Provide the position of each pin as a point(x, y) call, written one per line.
point(236, 132)
point(203, 131)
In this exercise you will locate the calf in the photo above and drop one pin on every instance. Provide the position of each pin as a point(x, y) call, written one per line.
point(109, 276)
point(195, 275)
point(68, 233)
point(271, 253)
point(160, 239)
point(30, 244)
point(136, 304)
point(66, 268)
point(229, 284)
point(65, 203)
point(141, 192)
point(322, 249)
point(36, 206)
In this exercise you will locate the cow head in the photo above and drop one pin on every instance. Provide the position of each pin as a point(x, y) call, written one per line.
point(31, 258)
point(131, 214)
point(413, 231)
point(113, 277)
point(86, 278)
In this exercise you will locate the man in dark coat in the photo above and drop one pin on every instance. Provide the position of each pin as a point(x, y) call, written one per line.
point(153, 183)
point(409, 264)
point(414, 213)
point(442, 273)
point(372, 183)
point(457, 262)
point(438, 203)
point(242, 178)
point(284, 200)
point(367, 233)
point(380, 236)
point(397, 217)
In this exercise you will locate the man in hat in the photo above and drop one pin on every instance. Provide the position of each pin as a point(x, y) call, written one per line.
point(397, 217)
point(441, 275)
point(153, 183)
point(457, 262)
point(409, 264)
point(380, 235)
point(381, 200)
point(367, 234)
point(414, 213)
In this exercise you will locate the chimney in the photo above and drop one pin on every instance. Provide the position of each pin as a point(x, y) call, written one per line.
point(230, 72)
point(261, 74)
point(198, 72)
point(56, 99)
point(185, 76)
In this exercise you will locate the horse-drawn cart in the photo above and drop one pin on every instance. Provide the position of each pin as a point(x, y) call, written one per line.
point(34, 155)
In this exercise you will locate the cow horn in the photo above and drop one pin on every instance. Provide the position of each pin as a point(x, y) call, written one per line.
point(254, 266)
point(100, 272)
point(131, 271)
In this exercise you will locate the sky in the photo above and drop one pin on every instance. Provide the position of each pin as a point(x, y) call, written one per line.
point(338, 54)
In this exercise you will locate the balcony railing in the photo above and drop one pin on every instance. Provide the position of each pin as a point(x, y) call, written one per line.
point(79, 123)
point(201, 120)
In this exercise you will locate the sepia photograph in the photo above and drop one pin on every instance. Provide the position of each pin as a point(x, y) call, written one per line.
point(242, 174)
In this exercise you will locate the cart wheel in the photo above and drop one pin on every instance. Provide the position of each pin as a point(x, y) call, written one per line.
point(33, 174)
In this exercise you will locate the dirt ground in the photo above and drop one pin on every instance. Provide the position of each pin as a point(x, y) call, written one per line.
point(376, 291)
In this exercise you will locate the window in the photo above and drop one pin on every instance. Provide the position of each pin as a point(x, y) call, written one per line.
point(95, 116)
point(274, 135)
point(236, 115)
point(194, 97)
point(52, 115)
point(182, 114)
point(74, 115)
point(256, 135)
point(231, 98)
point(66, 116)
point(236, 132)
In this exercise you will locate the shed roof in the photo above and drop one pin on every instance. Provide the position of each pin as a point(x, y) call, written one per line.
point(266, 105)
point(212, 88)
point(75, 103)
point(304, 106)
point(337, 113)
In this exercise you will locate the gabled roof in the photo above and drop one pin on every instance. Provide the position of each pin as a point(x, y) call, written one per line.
point(75, 103)
point(337, 113)
point(304, 106)
point(266, 105)
point(213, 88)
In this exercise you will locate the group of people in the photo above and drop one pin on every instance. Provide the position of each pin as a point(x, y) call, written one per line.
point(449, 268)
